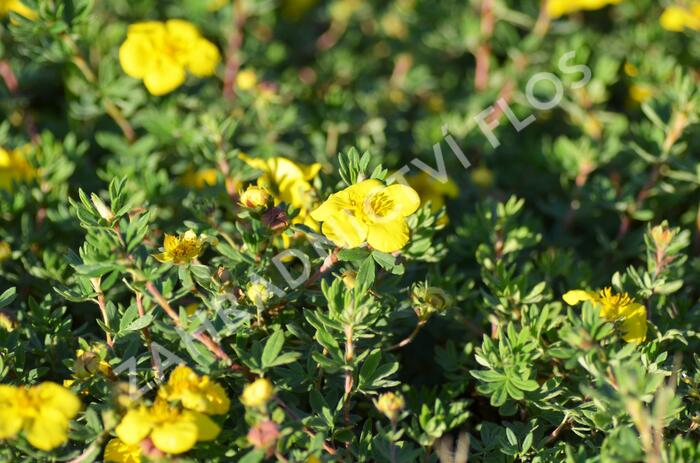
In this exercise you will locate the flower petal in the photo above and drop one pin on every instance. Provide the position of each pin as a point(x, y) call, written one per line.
point(388, 236)
point(176, 436)
point(136, 56)
point(634, 326)
point(48, 430)
point(403, 196)
point(164, 76)
point(203, 58)
point(135, 426)
point(578, 295)
point(345, 230)
point(56, 397)
point(117, 451)
point(207, 429)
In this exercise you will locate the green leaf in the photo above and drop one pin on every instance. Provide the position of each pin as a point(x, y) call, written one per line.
point(272, 348)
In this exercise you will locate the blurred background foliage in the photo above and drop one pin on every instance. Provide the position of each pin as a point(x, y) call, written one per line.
point(568, 202)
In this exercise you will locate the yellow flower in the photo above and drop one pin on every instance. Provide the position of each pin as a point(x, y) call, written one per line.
point(199, 178)
point(641, 92)
point(5, 251)
point(14, 167)
point(180, 249)
point(161, 52)
point(197, 393)
point(257, 293)
point(42, 412)
point(613, 308)
point(255, 197)
point(246, 79)
point(433, 190)
point(15, 6)
point(676, 18)
point(7, 321)
point(258, 393)
point(556, 8)
point(118, 451)
point(288, 182)
point(371, 212)
point(390, 405)
point(171, 429)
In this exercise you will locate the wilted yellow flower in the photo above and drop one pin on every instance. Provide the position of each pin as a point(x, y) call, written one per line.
point(678, 17)
point(255, 197)
point(43, 413)
point(14, 167)
point(161, 52)
point(181, 249)
point(5, 251)
point(257, 293)
point(390, 404)
point(258, 393)
point(197, 393)
point(199, 178)
point(556, 8)
point(288, 182)
point(246, 79)
point(428, 300)
point(433, 190)
point(171, 429)
point(368, 211)
point(118, 451)
point(15, 6)
point(613, 308)
point(88, 363)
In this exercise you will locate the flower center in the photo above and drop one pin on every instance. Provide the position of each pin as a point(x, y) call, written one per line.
point(379, 206)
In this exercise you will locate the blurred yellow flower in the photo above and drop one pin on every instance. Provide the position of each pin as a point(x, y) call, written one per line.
point(390, 404)
point(15, 6)
point(258, 393)
point(613, 308)
point(171, 429)
point(42, 412)
point(199, 178)
point(161, 52)
point(5, 251)
point(194, 392)
point(433, 190)
point(246, 79)
point(7, 321)
point(556, 8)
point(118, 451)
point(288, 182)
point(676, 17)
point(14, 167)
point(640, 93)
point(368, 211)
point(255, 197)
point(181, 249)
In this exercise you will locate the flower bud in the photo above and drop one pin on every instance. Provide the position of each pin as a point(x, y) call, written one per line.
point(258, 393)
point(255, 197)
point(390, 405)
point(246, 79)
point(102, 209)
point(264, 435)
point(275, 219)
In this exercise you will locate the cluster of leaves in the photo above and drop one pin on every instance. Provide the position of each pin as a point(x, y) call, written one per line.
point(497, 366)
